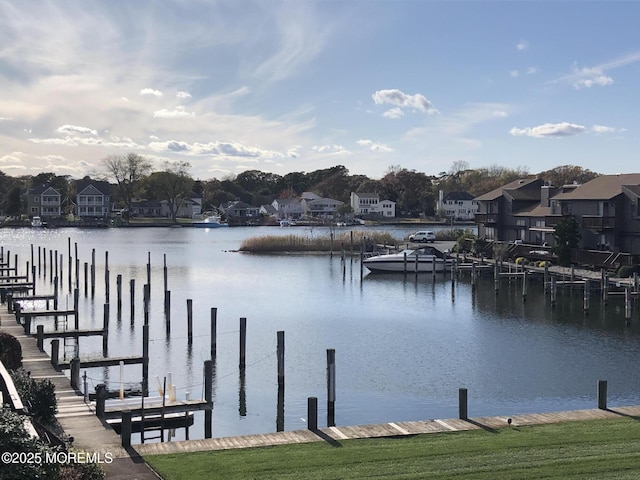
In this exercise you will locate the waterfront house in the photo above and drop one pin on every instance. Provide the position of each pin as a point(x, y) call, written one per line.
point(43, 201)
point(326, 208)
point(287, 208)
point(457, 205)
point(240, 213)
point(369, 204)
point(93, 198)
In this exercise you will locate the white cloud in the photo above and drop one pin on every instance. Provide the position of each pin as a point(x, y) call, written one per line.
point(5, 119)
point(374, 146)
point(602, 129)
point(599, 80)
point(500, 114)
point(395, 112)
point(151, 91)
point(220, 149)
point(402, 100)
point(532, 70)
point(563, 129)
point(183, 95)
point(514, 73)
point(330, 149)
point(71, 129)
point(522, 45)
point(178, 112)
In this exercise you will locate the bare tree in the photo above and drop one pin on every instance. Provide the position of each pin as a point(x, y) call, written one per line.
point(127, 171)
point(173, 184)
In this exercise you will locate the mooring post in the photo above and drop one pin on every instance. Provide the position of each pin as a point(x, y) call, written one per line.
point(208, 397)
point(149, 271)
point(214, 328)
point(463, 411)
point(70, 263)
point(145, 360)
point(524, 284)
point(602, 394)
point(165, 281)
point(132, 297)
point(93, 272)
point(75, 373)
point(86, 279)
point(106, 276)
point(119, 293)
point(553, 290)
point(312, 413)
point(125, 428)
point(331, 387)
point(546, 277)
point(404, 264)
point(605, 289)
point(167, 311)
point(280, 355)
point(55, 352)
point(101, 397)
point(189, 321)
point(40, 337)
point(76, 301)
point(51, 264)
point(77, 264)
point(105, 330)
point(39, 260)
point(243, 342)
point(146, 297)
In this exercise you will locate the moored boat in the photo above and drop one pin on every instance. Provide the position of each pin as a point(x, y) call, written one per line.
point(212, 221)
point(424, 259)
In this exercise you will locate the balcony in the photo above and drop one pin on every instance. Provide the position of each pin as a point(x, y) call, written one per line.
point(486, 218)
point(596, 222)
point(552, 220)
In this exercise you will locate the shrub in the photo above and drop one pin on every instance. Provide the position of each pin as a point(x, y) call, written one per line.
point(10, 351)
point(521, 261)
point(38, 395)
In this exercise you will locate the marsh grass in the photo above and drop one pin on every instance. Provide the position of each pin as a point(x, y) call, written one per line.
point(311, 243)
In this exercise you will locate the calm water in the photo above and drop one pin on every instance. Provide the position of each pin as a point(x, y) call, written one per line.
point(403, 348)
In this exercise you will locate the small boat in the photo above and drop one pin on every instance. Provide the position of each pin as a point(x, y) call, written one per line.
point(37, 222)
point(424, 259)
point(285, 223)
point(212, 221)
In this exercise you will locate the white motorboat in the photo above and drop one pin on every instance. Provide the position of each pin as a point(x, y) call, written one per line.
point(37, 222)
point(212, 221)
point(423, 259)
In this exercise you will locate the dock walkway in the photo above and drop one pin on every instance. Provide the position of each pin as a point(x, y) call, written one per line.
point(77, 418)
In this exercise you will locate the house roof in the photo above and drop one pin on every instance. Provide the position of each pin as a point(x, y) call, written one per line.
point(515, 185)
point(456, 196)
point(40, 189)
point(604, 187)
point(103, 187)
point(322, 201)
point(534, 211)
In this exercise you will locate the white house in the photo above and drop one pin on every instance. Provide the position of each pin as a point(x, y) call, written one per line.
point(457, 205)
point(370, 204)
point(320, 207)
point(287, 208)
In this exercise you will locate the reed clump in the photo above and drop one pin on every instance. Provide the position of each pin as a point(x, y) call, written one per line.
point(311, 243)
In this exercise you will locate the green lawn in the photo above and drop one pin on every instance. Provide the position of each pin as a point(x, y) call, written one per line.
point(574, 450)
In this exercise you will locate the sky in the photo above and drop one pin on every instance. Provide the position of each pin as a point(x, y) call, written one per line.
point(301, 85)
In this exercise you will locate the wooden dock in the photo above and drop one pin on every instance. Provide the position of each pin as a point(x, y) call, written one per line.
point(77, 418)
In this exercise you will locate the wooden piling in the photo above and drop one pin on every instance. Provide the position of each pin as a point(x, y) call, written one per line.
point(132, 297)
point(105, 330)
point(404, 264)
point(101, 397)
point(86, 279)
point(524, 285)
point(280, 355)
point(312, 413)
point(208, 396)
point(40, 337)
point(146, 300)
point(106, 276)
point(149, 271)
point(463, 411)
point(119, 293)
point(602, 394)
point(605, 289)
point(189, 321)
point(243, 342)
point(554, 289)
point(39, 260)
point(167, 311)
point(55, 352)
point(75, 373)
point(70, 264)
point(331, 387)
point(165, 277)
point(93, 272)
point(214, 329)
point(125, 428)
point(75, 245)
point(145, 359)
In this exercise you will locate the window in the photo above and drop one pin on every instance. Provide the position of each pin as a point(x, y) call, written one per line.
point(36, 199)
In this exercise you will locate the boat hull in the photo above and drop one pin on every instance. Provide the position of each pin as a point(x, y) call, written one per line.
point(398, 265)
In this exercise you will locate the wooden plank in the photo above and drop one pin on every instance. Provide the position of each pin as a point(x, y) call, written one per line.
point(105, 362)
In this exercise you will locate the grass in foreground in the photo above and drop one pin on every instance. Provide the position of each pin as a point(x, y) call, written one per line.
point(575, 450)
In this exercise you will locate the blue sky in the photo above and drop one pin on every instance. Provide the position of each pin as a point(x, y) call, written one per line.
point(299, 85)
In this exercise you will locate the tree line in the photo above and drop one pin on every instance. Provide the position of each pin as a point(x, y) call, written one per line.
point(132, 176)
